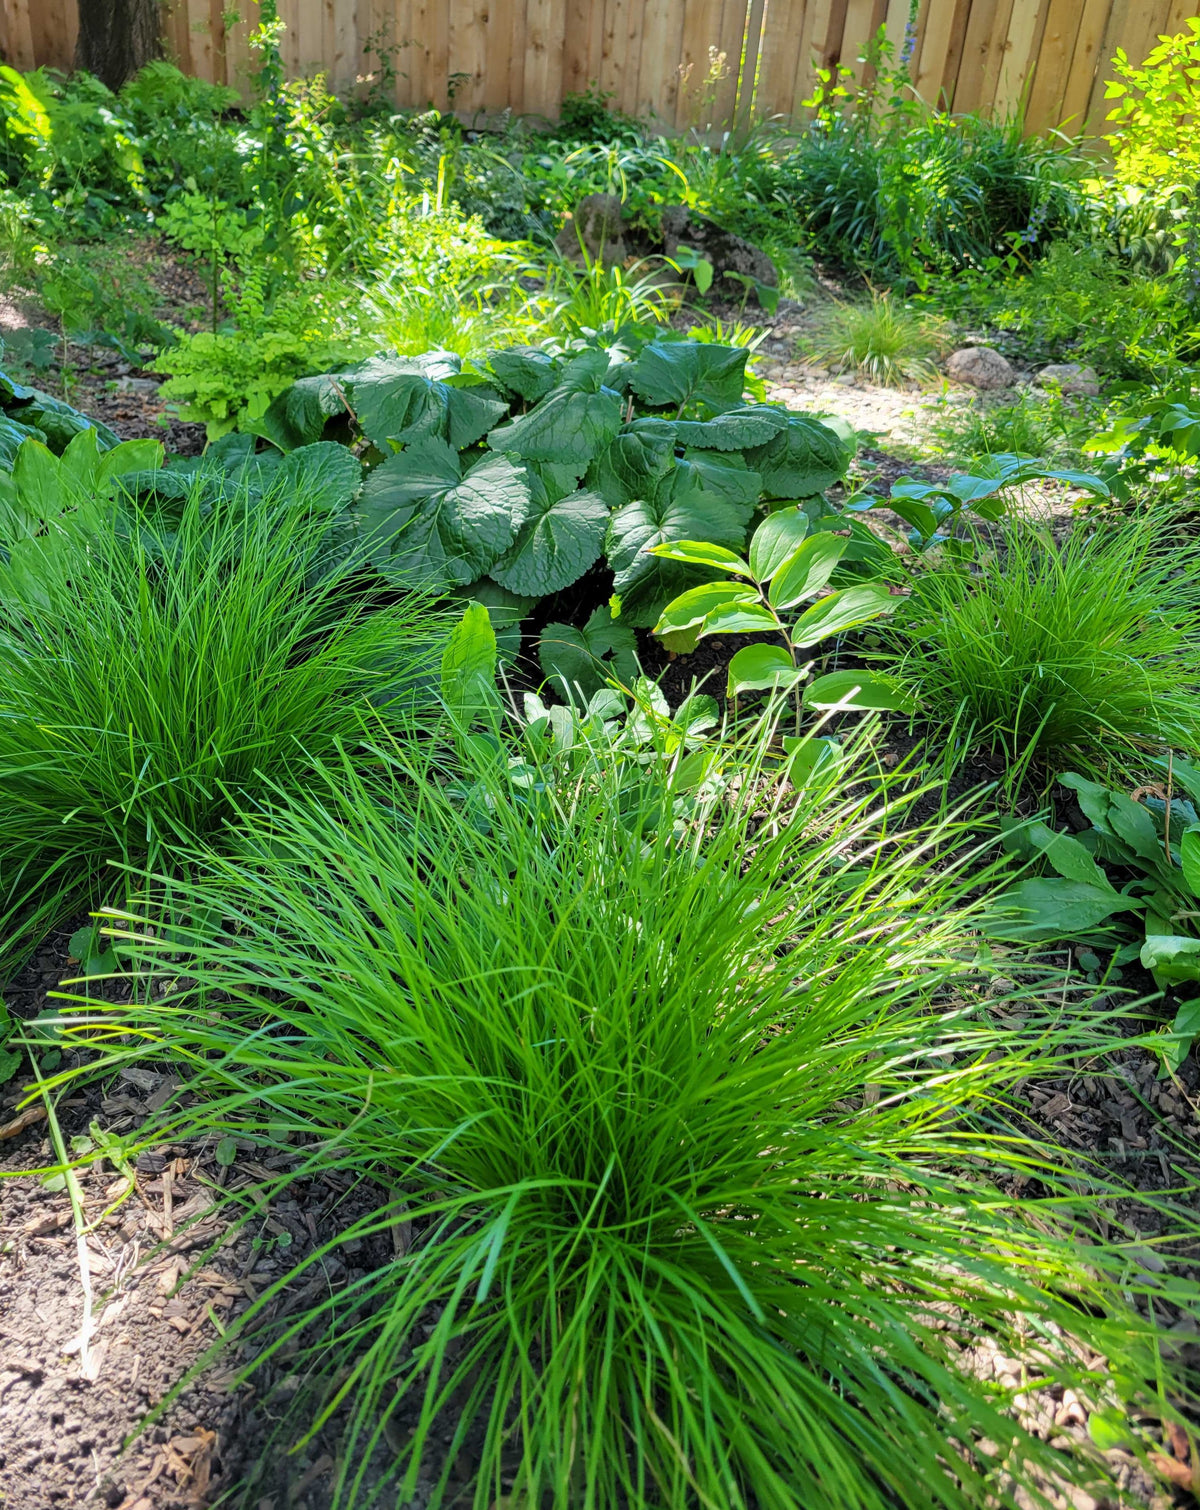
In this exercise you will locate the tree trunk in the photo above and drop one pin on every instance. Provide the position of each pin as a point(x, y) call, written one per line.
point(117, 37)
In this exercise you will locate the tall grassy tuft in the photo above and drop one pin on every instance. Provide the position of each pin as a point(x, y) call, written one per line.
point(676, 1108)
point(1086, 649)
point(152, 678)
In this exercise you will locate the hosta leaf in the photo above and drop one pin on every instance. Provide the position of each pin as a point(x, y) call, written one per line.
point(841, 611)
point(805, 458)
point(703, 553)
point(11, 437)
point(806, 571)
point(430, 527)
point(58, 422)
point(299, 415)
point(1189, 856)
point(129, 456)
point(859, 691)
point(625, 469)
point(810, 757)
point(1172, 958)
point(324, 478)
point(777, 537)
point(38, 474)
point(682, 372)
point(735, 430)
point(763, 668)
point(695, 605)
point(469, 665)
point(559, 537)
point(575, 420)
point(577, 662)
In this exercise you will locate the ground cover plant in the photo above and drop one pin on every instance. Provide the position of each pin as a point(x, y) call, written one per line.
point(612, 1064)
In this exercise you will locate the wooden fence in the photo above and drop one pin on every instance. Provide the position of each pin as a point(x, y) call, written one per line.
point(655, 56)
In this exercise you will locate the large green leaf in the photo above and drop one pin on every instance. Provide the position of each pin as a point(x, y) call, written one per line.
point(859, 691)
point(505, 609)
point(1173, 959)
point(428, 525)
point(763, 668)
point(469, 665)
point(683, 372)
point(735, 430)
point(1052, 907)
point(395, 401)
point(806, 571)
point(527, 371)
point(1189, 857)
point(324, 478)
point(11, 437)
point(299, 415)
point(626, 469)
point(58, 422)
point(1069, 858)
point(575, 420)
point(645, 583)
point(841, 611)
point(722, 472)
point(559, 537)
point(695, 605)
point(578, 662)
point(41, 481)
point(805, 458)
point(777, 537)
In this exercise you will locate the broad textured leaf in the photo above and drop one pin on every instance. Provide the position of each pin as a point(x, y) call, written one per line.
point(721, 472)
point(323, 477)
point(682, 372)
point(450, 533)
point(704, 553)
point(559, 536)
point(763, 668)
point(841, 611)
point(473, 411)
point(12, 436)
point(394, 405)
point(575, 420)
point(735, 430)
point(695, 605)
point(529, 372)
point(777, 537)
point(626, 469)
point(578, 662)
point(859, 691)
point(1053, 908)
point(645, 583)
point(805, 458)
point(806, 571)
point(299, 415)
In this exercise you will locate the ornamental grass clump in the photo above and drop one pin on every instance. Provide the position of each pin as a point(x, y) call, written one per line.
point(678, 1099)
point(155, 672)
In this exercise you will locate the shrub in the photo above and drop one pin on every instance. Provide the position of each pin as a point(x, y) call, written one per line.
point(1091, 646)
point(151, 677)
point(620, 1073)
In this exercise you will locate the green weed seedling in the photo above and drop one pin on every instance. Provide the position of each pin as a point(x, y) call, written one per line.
point(1155, 835)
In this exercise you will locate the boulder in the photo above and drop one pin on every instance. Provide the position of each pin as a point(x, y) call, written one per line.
point(979, 367)
point(1071, 378)
point(727, 253)
point(595, 232)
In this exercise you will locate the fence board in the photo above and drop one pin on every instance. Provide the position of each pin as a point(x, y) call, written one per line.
point(524, 55)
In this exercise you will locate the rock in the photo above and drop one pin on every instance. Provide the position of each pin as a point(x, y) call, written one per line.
point(979, 367)
point(595, 232)
point(137, 385)
point(727, 253)
point(1072, 378)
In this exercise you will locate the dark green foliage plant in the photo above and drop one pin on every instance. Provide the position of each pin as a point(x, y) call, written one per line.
point(1089, 648)
point(1149, 843)
point(157, 667)
point(678, 1125)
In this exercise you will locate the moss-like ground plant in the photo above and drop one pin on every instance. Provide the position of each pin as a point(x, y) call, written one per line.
point(672, 1095)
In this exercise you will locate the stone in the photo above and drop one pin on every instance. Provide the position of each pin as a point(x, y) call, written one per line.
point(979, 367)
point(1071, 378)
point(727, 253)
point(595, 232)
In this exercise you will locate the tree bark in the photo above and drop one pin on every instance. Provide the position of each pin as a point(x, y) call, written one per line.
point(117, 37)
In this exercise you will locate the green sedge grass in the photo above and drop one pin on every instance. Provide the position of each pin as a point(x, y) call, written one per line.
point(1088, 650)
point(152, 676)
point(678, 1097)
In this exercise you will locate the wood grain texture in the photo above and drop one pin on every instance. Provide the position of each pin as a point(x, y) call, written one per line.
point(783, 63)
